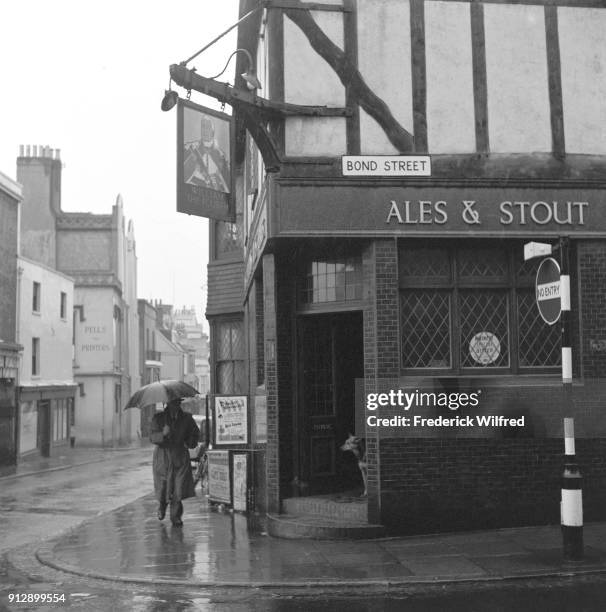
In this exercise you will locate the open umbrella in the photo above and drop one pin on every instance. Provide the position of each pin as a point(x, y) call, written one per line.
point(160, 391)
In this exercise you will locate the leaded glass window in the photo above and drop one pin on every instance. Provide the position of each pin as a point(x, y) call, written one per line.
point(229, 356)
point(472, 307)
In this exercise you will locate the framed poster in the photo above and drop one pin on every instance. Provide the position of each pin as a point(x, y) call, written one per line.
point(240, 481)
point(219, 485)
point(204, 182)
point(231, 419)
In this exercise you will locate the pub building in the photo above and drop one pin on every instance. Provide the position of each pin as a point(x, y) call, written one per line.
point(383, 197)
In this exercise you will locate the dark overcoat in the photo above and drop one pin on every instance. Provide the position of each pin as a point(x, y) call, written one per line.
point(171, 464)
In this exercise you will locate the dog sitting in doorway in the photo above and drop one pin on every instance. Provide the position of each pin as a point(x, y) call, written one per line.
point(358, 447)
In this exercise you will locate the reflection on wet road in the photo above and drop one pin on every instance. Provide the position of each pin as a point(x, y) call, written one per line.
point(44, 504)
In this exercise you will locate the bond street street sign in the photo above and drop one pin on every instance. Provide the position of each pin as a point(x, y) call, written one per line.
point(386, 165)
point(548, 290)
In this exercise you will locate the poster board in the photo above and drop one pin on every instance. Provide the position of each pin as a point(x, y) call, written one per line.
point(231, 419)
point(219, 484)
point(240, 481)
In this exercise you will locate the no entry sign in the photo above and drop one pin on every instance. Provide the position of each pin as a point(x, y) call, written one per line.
point(548, 290)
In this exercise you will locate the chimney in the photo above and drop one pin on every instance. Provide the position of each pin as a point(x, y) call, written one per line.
point(40, 174)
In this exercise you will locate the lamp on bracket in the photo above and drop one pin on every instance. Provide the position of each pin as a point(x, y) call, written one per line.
point(249, 75)
point(170, 98)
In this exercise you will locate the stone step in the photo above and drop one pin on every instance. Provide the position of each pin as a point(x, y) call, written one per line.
point(291, 526)
point(344, 507)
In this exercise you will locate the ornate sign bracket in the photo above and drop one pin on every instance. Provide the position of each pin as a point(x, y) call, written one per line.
point(254, 110)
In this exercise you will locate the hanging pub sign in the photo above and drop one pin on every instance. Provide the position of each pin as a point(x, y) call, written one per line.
point(231, 419)
point(203, 162)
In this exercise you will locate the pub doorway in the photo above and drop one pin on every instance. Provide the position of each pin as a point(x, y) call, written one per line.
point(331, 357)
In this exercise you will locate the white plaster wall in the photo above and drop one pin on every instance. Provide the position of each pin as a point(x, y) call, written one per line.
point(385, 64)
point(450, 98)
point(516, 67)
point(54, 332)
point(316, 136)
point(583, 60)
point(94, 351)
point(309, 80)
point(94, 411)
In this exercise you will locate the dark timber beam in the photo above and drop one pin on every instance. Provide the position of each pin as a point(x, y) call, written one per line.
point(351, 78)
point(255, 111)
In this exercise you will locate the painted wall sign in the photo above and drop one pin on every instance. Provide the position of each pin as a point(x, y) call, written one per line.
point(219, 488)
point(386, 165)
point(231, 419)
point(359, 209)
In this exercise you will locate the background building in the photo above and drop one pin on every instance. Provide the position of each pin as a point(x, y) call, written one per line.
point(47, 391)
point(98, 252)
point(192, 337)
point(10, 198)
point(415, 281)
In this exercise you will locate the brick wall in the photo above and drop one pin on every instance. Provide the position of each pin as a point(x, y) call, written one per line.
point(286, 280)
point(448, 485)
point(592, 274)
point(381, 344)
point(454, 483)
point(272, 458)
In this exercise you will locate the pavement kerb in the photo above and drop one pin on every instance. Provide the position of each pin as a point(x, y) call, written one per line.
point(52, 469)
point(45, 556)
point(58, 468)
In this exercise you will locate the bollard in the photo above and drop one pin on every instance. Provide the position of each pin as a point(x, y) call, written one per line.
point(571, 507)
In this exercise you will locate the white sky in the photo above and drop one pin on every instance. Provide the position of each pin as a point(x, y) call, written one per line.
point(88, 78)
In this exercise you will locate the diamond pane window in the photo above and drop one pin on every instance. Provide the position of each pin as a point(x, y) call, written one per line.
point(425, 329)
point(424, 263)
point(484, 329)
point(468, 307)
point(228, 239)
point(539, 343)
point(229, 351)
point(482, 263)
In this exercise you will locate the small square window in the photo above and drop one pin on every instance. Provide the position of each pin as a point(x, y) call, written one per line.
point(36, 297)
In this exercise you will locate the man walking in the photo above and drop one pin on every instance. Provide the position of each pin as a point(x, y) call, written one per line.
point(173, 431)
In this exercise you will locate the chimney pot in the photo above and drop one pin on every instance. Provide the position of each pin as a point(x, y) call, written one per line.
point(21, 150)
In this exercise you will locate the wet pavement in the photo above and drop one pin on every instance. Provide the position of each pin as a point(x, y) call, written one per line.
point(44, 497)
point(91, 533)
point(215, 548)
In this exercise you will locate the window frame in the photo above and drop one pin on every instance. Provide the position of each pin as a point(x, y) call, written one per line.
point(35, 356)
point(512, 284)
point(237, 387)
point(36, 297)
point(63, 305)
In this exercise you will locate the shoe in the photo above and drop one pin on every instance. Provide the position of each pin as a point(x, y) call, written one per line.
point(161, 512)
point(178, 523)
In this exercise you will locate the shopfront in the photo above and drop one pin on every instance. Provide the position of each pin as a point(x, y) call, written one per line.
point(425, 289)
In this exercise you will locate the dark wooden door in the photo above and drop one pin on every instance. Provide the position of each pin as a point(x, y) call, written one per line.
point(331, 358)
